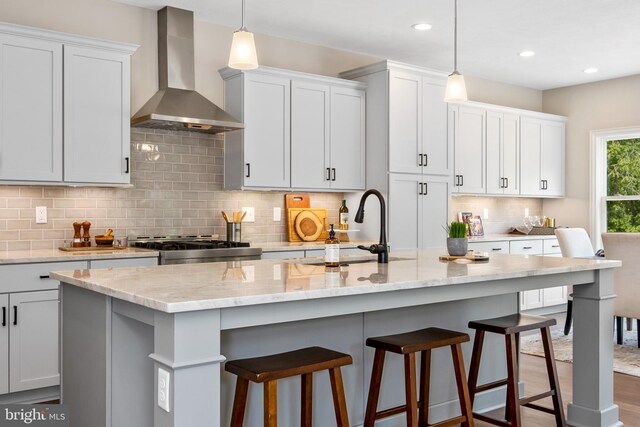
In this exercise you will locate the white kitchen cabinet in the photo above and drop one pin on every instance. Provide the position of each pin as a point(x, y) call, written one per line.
point(96, 116)
point(470, 149)
point(301, 131)
point(418, 209)
point(64, 108)
point(30, 109)
point(4, 344)
point(503, 153)
point(554, 296)
point(418, 118)
point(543, 147)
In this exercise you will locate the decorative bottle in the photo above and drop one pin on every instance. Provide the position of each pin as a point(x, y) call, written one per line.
point(344, 216)
point(332, 250)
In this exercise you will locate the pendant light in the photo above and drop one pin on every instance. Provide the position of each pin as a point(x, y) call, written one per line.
point(456, 89)
point(243, 54)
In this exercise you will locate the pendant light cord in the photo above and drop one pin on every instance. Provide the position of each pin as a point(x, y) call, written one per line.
point(455, 35)
point(242, 27)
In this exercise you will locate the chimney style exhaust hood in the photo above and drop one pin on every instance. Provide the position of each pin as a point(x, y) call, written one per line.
point(177, 106)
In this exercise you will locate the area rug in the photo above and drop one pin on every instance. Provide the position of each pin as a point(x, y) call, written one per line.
point(626, 357)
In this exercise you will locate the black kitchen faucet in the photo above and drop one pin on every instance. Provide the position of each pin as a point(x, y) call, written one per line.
point(381, 248)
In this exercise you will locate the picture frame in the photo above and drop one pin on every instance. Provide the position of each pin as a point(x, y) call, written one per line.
point(475, 226)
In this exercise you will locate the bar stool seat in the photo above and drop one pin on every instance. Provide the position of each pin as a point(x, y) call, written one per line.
point(511, 326)
point(269, 369)
point(408, 344)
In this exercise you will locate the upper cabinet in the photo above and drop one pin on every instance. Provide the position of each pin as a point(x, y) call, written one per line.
point(61, 93)
point(301, 131)
point(505, 151)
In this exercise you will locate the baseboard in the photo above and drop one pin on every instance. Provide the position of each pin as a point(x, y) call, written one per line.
point(543, 311)
point(32, 396)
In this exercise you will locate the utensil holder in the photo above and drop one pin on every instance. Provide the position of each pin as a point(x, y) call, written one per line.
point(234, 231)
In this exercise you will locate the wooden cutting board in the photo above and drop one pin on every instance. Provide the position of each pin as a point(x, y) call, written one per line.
point(309, 226)
point(468, 257)
point(295, 200)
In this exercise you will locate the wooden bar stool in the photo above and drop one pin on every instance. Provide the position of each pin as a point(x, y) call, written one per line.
point(510, 327)
point(269, 369)
point(408, 344)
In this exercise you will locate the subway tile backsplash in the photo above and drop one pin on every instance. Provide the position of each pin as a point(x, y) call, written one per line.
point(504, 212)
point(177, 182)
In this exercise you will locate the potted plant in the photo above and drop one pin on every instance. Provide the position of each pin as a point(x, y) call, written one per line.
point(457, 240)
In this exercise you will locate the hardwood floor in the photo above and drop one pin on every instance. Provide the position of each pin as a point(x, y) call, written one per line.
point(533, 373)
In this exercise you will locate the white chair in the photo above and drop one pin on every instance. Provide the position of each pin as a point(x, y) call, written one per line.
point(574, 243)
point(626, 248)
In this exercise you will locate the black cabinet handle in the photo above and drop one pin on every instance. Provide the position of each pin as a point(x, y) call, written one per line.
point(15, 315)
point(496, 249)
point(328, 174)
point(527, 247)
point(420, 192)
point(333, 172)
point(426, 190)
point(4, 316)
point(457, 183)
point(507, 183)
point(44, 277)
point(501, 182)
point(126, 159)
point(426, 160)
point(461, 180)
point(248, 170)
point(420, 160)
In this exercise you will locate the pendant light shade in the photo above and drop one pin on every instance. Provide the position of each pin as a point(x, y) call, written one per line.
point(243, 54)
point(456, 89)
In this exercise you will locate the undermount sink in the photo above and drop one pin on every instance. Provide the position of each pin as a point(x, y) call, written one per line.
point(355, 261)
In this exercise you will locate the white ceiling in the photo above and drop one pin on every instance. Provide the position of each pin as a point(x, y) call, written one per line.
point(567, 36)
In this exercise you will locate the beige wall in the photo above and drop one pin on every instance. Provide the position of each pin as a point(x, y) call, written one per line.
point(602, 105)
point(491, 92)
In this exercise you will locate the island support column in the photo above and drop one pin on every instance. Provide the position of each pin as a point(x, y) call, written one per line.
point(593, 308)
point(187, 345)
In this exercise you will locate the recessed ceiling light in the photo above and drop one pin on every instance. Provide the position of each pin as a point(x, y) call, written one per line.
point(527, 53)
point(590, 70)
point(421, 27)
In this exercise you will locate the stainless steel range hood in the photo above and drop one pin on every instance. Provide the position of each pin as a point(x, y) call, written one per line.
point(177, 106)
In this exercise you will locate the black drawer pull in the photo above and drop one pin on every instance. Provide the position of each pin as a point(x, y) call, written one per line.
point(4, 316)
point(248, 170)
point(496, 249)
point(555, 246)
point(527, 247)
point(44, 277)
point(15, 315)
point(126, 159)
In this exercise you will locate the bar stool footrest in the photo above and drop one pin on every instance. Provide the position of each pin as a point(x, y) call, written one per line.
point(539, 408)
point(449, 423)
point(394, 411)
point(527, 400)
point(490, 386)
point(491, 420)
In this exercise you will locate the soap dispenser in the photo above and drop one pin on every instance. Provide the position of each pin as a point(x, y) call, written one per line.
point(332, 250)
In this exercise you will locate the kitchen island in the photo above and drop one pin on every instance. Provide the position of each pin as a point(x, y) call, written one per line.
point(121, 326)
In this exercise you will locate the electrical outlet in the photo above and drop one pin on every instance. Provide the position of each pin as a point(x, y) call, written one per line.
point(164, 382)
point(526, 211)
point(250, 216)
point(485, 214)
point(276, 214)
point(41, 214)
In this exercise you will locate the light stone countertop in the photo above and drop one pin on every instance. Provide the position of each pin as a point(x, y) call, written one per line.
point(56, 255)
point(317, 245)
point(192, 287)
point(505, 236)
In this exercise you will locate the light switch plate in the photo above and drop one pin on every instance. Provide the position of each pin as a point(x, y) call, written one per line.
point(250, 216)
point(276, 214)
point(164, 388)
point(41, 214)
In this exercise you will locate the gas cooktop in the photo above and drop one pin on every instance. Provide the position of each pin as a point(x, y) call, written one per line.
point(194, 249)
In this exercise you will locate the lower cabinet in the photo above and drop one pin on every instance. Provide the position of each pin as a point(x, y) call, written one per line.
point(536, 298)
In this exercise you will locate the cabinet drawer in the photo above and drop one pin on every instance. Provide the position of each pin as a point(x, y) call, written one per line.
point(34, 277)
point(501, 247)
point(124, 262)
point(526, 247)
point(551, 247)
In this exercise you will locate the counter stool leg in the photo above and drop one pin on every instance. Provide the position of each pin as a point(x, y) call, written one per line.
point(425, 381)
point(339, 401)
point(307, 400)
point(475, 364)
point(513, 398)
point(374, 388)
point(239, 402)
point(410, 389)
point(271, 404)
point(461, 381)
point(553, 378)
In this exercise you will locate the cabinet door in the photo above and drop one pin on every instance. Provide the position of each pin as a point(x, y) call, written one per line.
point(96, 116)
point(4, 344)
point(267, 133)
point(30, 109)
point(552, 158)
point(405, 122)
point(34, 340)
point(310, 103)
point(470, 150)
point(404, 211)
point(510, 153)
point(530, 132)
point(435, 144)
point(434, 211)
point(347, 138)
point(495, 177)
point(531, 299)
point(554, 296)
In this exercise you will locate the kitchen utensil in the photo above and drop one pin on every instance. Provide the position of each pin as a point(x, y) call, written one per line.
point(108, 232)
point(234, 231)
point(86, 237)
point(104, 240)
point(292, 201)
point(226, 217)
point(471, 257)
point(242, 216)
point(77, 236)
point(236, 216)
point(307, 228)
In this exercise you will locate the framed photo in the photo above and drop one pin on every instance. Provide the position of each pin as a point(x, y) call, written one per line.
point(464, 217)
point(475, 226)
